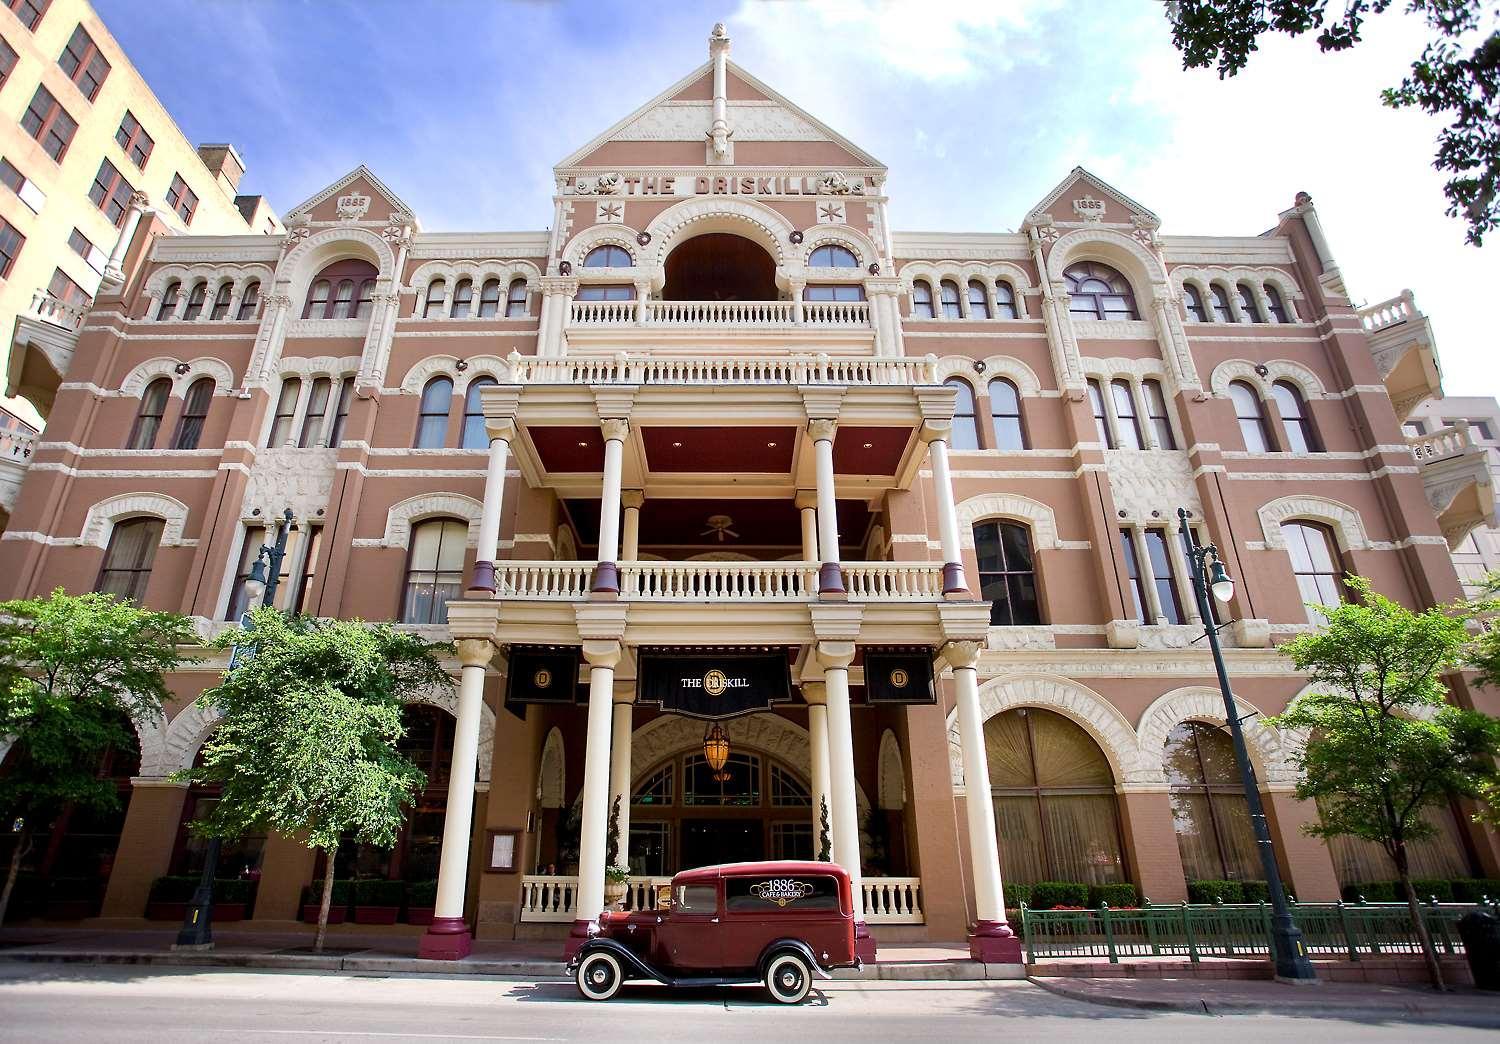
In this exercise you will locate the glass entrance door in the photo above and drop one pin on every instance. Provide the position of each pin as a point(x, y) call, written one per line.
point(707, 842)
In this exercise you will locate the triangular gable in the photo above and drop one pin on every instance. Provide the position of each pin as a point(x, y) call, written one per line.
point(764, 115)
point(1081, 187)
point(361, 181)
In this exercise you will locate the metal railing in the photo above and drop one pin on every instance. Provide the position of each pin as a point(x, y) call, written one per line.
point(1347, 931)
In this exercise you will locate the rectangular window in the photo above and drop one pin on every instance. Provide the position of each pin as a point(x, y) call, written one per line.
point(1187, 556)
point(1129, 429)
point(29, 11)
point(312, 545)
point(11, 243)
point(8, 58)
point(21, 185)
point(1101, 419)
point(1156, 413)
point(133, 138)
point(239, 602)
point(84, 64)
point(181, 199)
point(1162, 575)
point(84, 248)
point(65, 290)
point(111, 192)
point(49, 123)
point(1480, 429)
point(1133, 571)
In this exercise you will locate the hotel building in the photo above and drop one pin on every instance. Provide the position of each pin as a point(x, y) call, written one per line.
point(895, 511)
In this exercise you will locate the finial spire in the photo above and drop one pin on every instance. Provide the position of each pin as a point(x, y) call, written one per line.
point(718, 53)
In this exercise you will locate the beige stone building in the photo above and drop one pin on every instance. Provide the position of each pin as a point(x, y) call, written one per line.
point(894, 512)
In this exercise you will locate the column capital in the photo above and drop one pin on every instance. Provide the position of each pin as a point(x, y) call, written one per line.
point(602, 652)
point(632, 498)
point(807, 500)
point(624, 691)
point(475, 652)
point(963, 654)
point(615, 429)
point(815, 693)
point(835, 656)
point(936, 430)
point(502, 428)
point(558, 284)
point(822, 429)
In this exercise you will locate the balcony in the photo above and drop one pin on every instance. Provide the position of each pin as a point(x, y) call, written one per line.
point(739, 582)
point(41, 349)
point(1405, 352)
point(846, 325)
point(1457, 479)
point(15, 455)
point(789, 370)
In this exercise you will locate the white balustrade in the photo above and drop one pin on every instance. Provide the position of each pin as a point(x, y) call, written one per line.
point(560, 580)
point(794, 369)
point(53, 310)
point(719, 313)
point(602, 313)
point(893, 581)
point(836, 313)
point(17, 445)
point(1388, 313)
point(1452, 441)
point(547, 898)
point(893, 900)
point(743, 314)
point(719, 581)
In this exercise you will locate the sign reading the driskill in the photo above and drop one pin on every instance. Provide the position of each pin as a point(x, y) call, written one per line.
point(714, 685)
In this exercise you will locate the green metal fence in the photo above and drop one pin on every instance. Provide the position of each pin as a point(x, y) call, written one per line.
point(1346, 931)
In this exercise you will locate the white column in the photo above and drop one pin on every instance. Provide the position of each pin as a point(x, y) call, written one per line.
point(619, 771)
point(1147, 573)
point(602, 657)
point(942, 481)
point(816, 695)
point(448, 936)
point(807, 506)
point(830, 578)
point(114, 270)
point(835, 658)
point(630, 538)
point(607, 573)
point(488, 552)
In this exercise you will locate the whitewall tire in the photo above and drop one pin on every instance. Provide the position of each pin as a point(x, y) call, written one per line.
point(599, 976)
point(788, 978)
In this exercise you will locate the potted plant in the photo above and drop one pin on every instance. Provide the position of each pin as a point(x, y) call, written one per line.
point(616, 877)
point(421, 896)
point(312, 897)
point(170, 896)
point(377, 901)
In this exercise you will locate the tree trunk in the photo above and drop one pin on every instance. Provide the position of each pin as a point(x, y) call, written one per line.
point(1429, 952)
point(327, 902)
point(23, 842)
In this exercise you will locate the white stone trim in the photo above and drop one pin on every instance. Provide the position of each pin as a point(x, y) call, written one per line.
point(310, 367)
point(425, 369)
point(756, 221)
point(1343, 518)
point(1019, 374)
point(1110, 247)
point(1206, 704)
point(864, 249)
point(144, 373)
point(1306, 381)
point(404, 514)
point(595, 236)
point(934, 272)
point(100, 521)
point(1203, 278)
point(1040, 517)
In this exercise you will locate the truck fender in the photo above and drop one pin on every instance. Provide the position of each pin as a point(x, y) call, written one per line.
point(796, 946)
point(629, 960)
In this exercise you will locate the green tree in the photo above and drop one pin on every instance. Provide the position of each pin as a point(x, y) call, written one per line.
point(1383, 744)
point(307, 745)
point(1457, 75)
point(74, 672)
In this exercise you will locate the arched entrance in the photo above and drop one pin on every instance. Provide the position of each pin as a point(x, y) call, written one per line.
point(719, 266)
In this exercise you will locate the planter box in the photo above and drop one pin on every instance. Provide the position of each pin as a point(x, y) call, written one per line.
point(310, 913)
point(419, 914)
point(70, 909)
point(166, 911)
point(226, 912)
point(376, 914)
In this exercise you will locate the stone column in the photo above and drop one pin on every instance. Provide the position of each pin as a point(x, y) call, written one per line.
point(991, 939)
point(602, 657)
point(942, 482)
point(835, 658)
point(1151, 836)
point(619, 769)
point(830, 577)
point(113, 276)
point(607, 573)
point(145, 848)
point(807, 505)
point(448, 937)
point(816, 695)
point(488, 551)
point(630, 538)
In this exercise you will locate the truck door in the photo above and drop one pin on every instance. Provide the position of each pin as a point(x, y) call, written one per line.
point(691, 932)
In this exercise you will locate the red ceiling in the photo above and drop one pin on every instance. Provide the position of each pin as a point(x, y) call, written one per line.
point(882, 457)
point(737, 449)
point(759, 525)
point(569, 448)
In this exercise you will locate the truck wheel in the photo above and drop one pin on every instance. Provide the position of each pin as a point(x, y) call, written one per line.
point(788, 978)
point(599, 976)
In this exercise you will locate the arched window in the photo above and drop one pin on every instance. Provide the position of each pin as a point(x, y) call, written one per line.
point(965, 434)
point(148, 416)
point(1252, 417)
point(1005, 300)
point(434, 570)
point(1007, 573)
point(127, 559)
point(195, 405)
point(1130, 428)
point(1275, 305)
point(432, 307)
point(951, 307)
point(1005, 413)
point(1156, 413)
point(1315, 563)
point(1056, 814)
point(921, 300)
point(432, 420)
point(195, 301)
point(1209, 811)
point(168, 306)
point(979, 300)
point(1101, 418)
point(317, 411)
point(1440, 856)
point(286, 410)
point(608, 256)
point(1097, 291)
point(1222, 311)
point(832, 256)
point(317, 300)
point(221, 301)
point(249, 302)
point(1194, 302)
point(474, 435)
point(489, 299)
point(1295, 423)
point(1249, 308)
point(463, 297)
point(515, 299)
point(343, 301)
point(364, 299)
point(332, 295)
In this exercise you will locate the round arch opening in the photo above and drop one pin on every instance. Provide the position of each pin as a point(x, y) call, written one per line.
point(719, 266)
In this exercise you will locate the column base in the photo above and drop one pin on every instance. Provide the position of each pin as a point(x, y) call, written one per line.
point(864, 942)
point(581, 932)
point(606, 578)
point(993, 942)
point(830, 579)
point(446, 939)
point(953, 579)
point(484, 578)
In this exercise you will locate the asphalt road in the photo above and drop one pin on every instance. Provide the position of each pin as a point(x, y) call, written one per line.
point(61, 1003)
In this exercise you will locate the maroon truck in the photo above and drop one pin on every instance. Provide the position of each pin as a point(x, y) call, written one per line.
point(775, 924)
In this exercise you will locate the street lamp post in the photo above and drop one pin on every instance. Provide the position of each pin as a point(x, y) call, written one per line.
point(197, 931)
point(1292, 963)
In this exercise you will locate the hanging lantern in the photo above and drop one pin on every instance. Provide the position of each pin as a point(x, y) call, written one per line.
point(716, 748)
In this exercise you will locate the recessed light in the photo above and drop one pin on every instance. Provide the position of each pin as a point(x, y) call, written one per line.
point(583, 445)
point(770, 445)
point(677, 445)
point(869, 445)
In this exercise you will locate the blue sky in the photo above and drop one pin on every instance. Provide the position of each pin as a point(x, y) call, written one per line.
point(978, 109)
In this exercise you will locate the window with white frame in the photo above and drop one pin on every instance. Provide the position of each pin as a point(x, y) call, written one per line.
point(1158, 575)
point(979, 300)
point(1315, 563)
point(1005, 301)
point(1005, 415)
point(434, 570)
point(286, 412)
point(1250, 412)
point(965, 433)
point(921, 300)
point(126, 569)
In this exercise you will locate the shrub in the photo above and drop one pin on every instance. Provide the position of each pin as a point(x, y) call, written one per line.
point(1369, 891)
point(179, 888)
point(1430, 888)
point(377, 891)
point(1255, 891)
point(1392, 892)
point(343, 891)
point(1047, 895)
point(1215, 891)
point(421, 893)
point(1115, 895)
point(1475, 889)
point(1016, 894)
